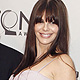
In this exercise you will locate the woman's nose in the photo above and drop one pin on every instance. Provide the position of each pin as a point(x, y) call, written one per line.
point(45, 27)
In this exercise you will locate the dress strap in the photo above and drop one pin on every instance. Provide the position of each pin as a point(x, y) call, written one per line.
point(46, 65)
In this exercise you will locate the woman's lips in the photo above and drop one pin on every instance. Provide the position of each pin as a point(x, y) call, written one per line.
point(45, 35)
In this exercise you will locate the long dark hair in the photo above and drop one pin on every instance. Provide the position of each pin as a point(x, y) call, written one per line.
point(55, 9)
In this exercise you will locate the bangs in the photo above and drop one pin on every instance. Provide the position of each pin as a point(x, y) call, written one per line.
point(51, 13)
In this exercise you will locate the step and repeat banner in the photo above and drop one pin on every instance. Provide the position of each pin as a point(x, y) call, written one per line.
point(14, 16)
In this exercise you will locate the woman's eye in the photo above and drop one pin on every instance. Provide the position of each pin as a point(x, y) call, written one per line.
point(52, 22)
point(39, 21)
point(42, 21)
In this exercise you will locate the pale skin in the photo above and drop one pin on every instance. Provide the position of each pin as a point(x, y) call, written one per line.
point(57, 69)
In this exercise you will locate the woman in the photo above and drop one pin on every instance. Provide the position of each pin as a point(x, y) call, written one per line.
point(46, 52)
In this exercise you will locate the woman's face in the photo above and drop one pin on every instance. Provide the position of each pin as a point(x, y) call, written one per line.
point(45, 31)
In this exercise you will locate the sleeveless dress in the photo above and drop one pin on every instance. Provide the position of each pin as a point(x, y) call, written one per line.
point(31, 75)
point(34, 75)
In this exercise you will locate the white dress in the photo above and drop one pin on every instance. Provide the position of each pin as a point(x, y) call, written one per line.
point(30, 74)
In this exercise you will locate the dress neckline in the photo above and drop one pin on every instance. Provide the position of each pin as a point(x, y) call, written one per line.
point(38, 72)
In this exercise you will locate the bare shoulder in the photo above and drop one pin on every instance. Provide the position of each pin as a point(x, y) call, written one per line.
point(64, 68)
point(66, 59)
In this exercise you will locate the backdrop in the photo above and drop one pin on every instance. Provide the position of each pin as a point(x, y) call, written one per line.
point(14, 15)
